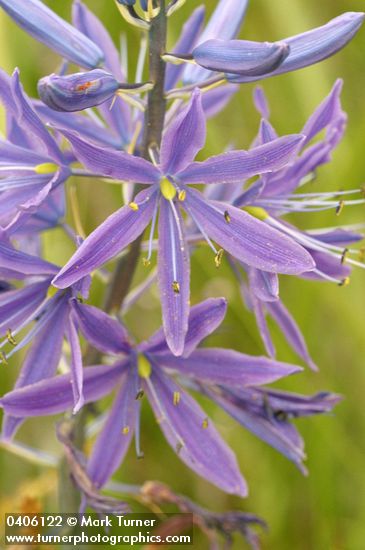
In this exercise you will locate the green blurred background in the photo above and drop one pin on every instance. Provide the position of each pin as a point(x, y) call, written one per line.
point(325, 511)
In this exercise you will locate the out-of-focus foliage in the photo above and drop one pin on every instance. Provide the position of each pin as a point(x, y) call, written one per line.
point(327, 509)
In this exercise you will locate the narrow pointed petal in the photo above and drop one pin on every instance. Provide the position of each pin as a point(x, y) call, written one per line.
point(89, 25)
point(194, 437)
point(173, 276)
point(41, 361)
point(16, 305)
point(236, 166)
point(101, 330)
point(77, 91)
point(44, 25)
point(325, 114)
point(315, 45)
point(84, 126)
point(111, 163)
point(228, 367)
point(55, 395)
point(184, 137)
point(249, 239)
point(186, 43)
point(241, 57)
point(329, 265)
point(291, 331)
point(18, 261)
point(114, 234)
point(261, 102)
point(264, 285)
point(221, 25)
point(204, 318)
point(260, 317)
point(116, 435)
point(32, 124)
point(76, 367)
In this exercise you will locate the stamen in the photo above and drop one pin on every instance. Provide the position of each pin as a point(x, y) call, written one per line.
point(132, 144)
point(10, 337)
point(344, 282)
point(144, 367)
point(343, 256)
point(137, 435)
point(218, 258)
point(125, 430)
point(75, 209)
point(227, 217)
point(139, 394)
point(168, 190)
point(176, 287)
point(3, 358)
point(146, 261)
point(339, 207)
point(205, 423)
point(182, 195)
point(176, 398)
point(202, 231)
point(134, 206)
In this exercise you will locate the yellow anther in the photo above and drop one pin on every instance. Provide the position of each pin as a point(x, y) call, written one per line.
point(344, 282)
point(339, 207)
point(218, 258)
point(125, 430)
point(256, 212)
point(144, 367)
point(168, 190)
point(46, 168)
point(182, 195)
point(3, 358)
point(227, 217)
point(176, 287)
point(146, 262)
point(177, 397)
point(10, 338)
point(133, 206)
point(362, 254)
point(205, 423)
point(139, 395)
point(52, 290)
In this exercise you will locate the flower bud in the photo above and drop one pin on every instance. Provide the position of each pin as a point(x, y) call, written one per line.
point(77, 91)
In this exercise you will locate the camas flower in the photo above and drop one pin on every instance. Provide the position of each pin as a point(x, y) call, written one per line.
point(241, 234)
point(148, 368)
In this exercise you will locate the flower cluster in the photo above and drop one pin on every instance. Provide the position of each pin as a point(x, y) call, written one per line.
point(146, 136)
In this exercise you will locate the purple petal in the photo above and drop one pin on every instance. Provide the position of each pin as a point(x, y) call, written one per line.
point(77, 378)
point(47, 27)
point(114, 234)
point(184, 137)
point(315, 45)
point(77, 91)
point(227, 367)
point(236, 166)
point(187, 41)
point(87, 23)
point(204, 318)
point(261, 103)
point(101, 330)
point(221, 25)
point(173, 276)
point(16, 305)
point(18, 261)
point(264, 285)
point(247, 238)
point(86, 128)
point(14, 155)
point(55, 395)
point(241, 57)
point(111, 163)
point(291, 331)
point(193, 436)
point(116, 435)
point(329, 265)
point(259, 312)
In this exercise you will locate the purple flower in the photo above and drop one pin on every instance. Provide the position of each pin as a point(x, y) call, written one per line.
point(241, 234)
point(149, 369)
point(31, 163)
